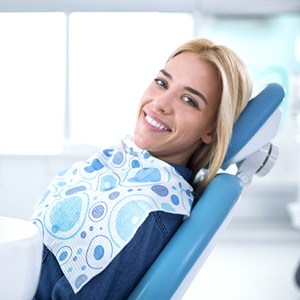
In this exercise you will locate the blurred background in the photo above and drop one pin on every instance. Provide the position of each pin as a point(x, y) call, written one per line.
point(72, 74)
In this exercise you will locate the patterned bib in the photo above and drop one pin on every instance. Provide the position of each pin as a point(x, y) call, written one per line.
point(91, 211)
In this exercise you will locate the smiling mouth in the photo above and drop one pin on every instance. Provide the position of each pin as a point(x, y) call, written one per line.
point(156, 124)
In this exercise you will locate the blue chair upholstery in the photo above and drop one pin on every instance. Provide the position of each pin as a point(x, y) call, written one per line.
point(254, 116)
point(177, 265)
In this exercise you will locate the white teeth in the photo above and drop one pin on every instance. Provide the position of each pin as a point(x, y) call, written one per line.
point(156, 124)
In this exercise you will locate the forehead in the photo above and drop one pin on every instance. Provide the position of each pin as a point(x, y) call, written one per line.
point(192, 64)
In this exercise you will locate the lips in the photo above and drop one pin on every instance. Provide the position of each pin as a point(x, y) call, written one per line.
point(156, 123)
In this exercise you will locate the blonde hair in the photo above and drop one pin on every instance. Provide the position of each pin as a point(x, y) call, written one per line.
point(236, 91)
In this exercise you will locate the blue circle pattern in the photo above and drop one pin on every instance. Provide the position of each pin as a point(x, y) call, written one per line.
point(92, 210)
point(98, 211)
point(64, 254)
point(135, 211)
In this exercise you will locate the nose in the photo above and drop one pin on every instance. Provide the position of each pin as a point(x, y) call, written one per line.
point(164, 103)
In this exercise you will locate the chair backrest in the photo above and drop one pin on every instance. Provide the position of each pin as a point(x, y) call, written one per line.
point(257, 124)
point(177, 265)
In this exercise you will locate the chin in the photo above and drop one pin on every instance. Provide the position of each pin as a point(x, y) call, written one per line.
point(140, 142)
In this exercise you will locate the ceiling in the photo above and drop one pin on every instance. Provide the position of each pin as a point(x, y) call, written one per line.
point(210, 7)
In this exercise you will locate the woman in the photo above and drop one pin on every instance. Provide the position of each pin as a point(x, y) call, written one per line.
point(184, 124)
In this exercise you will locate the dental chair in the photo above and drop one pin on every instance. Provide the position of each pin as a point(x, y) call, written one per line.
point(252, 153)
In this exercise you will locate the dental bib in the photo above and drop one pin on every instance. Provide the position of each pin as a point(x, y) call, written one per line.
point(91, 211)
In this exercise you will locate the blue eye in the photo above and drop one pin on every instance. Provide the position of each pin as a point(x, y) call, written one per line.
point(161, 83)
point(190, 101)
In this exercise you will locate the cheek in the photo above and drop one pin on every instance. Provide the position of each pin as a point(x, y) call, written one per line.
point(142, 103)
point(196, 127)
point(144, 100)
point(139, 108)
point(147, 92)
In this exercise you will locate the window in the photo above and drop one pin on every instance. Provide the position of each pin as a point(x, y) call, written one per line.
point(78, 76)
point(32, 80)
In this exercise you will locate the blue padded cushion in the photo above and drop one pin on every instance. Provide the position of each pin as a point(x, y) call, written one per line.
point(191, 239)
point(256, 113)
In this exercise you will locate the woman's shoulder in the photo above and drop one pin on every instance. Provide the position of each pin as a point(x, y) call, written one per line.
point(166, 223)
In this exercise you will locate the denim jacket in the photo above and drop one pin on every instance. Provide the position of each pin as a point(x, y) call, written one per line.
point(119, 279)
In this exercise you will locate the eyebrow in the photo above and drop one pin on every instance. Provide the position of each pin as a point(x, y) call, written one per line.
point(197, 93)
point(166, 74)
point(189, 89)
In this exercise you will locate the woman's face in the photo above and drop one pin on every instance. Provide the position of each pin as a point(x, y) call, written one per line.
point(178, 110)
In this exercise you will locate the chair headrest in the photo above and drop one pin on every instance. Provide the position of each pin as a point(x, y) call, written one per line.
point(258, 111)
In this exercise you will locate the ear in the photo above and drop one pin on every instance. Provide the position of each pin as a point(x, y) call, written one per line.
point(209, 137)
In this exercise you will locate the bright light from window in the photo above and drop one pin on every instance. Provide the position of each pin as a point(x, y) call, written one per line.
point(32, 79)
point(113, 58)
